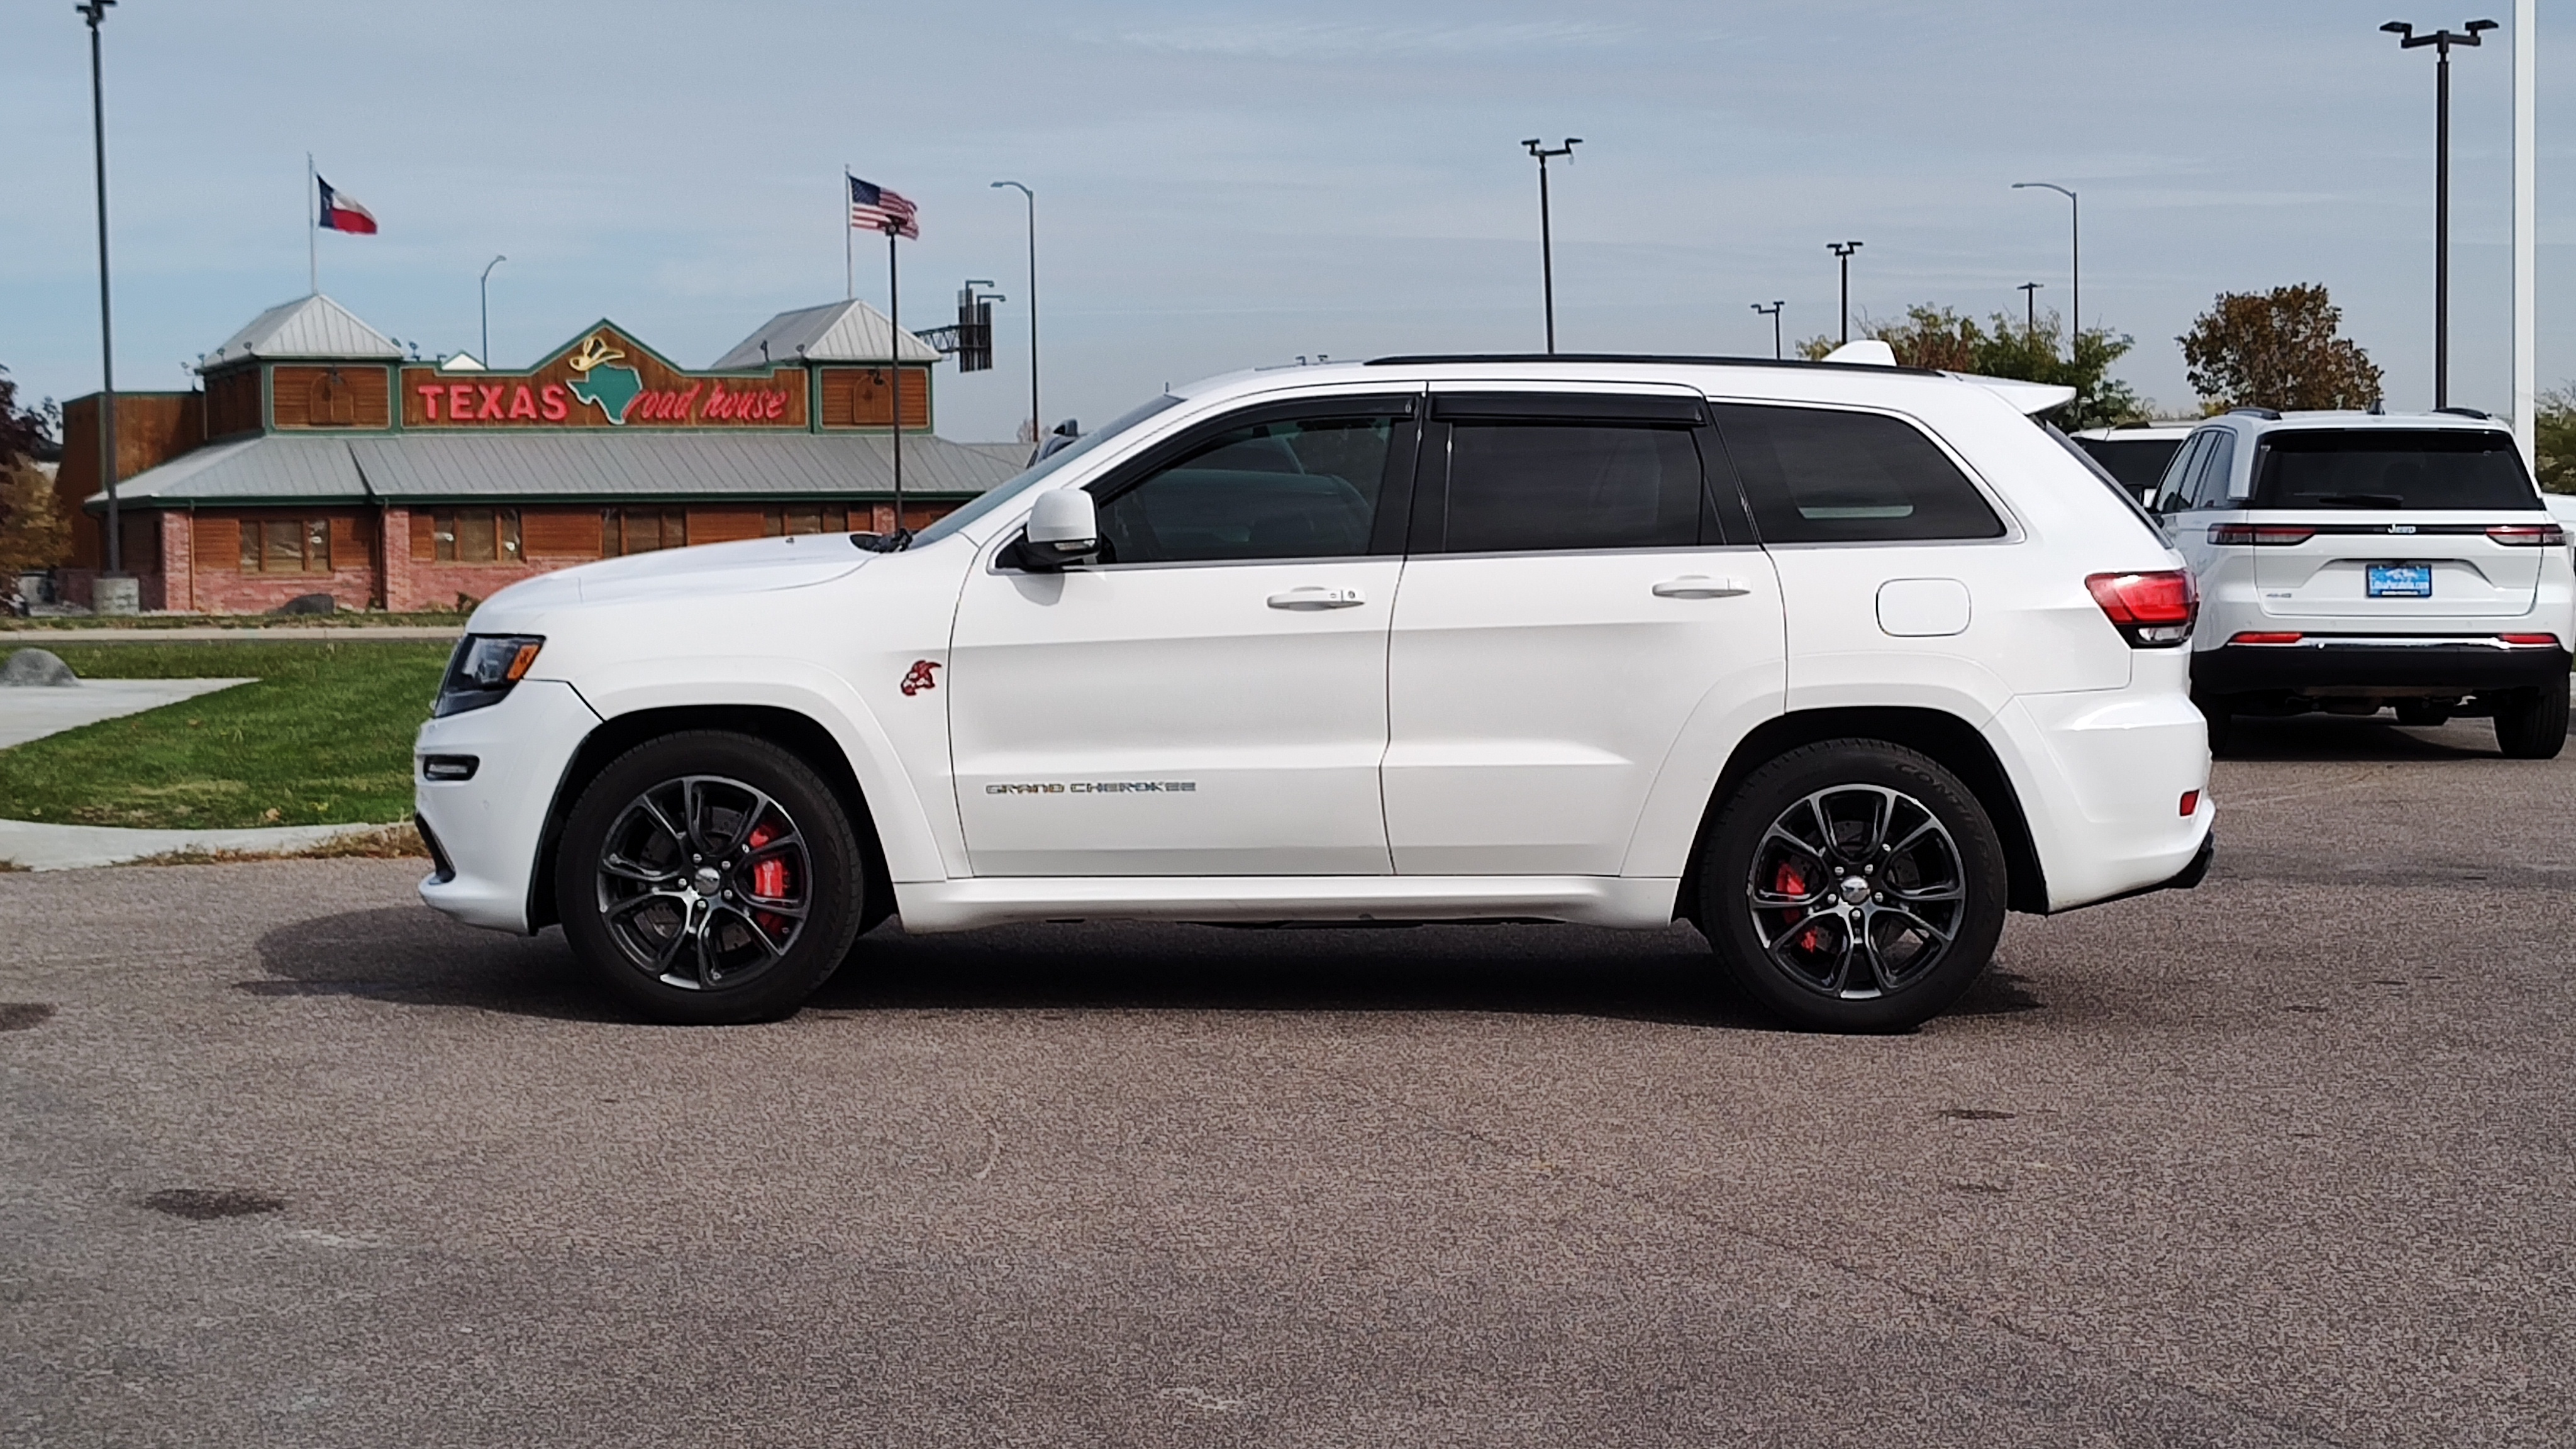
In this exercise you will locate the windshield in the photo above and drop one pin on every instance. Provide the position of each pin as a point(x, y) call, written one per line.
point(2391, 468)
point(1003, 492)
point(2138, 462)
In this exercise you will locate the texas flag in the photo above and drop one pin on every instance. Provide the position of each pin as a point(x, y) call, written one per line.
point(339, 213)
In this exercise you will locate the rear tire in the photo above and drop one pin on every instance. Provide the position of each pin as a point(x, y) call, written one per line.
point(1853, 886)
point(710, 878)
point(2532, 725)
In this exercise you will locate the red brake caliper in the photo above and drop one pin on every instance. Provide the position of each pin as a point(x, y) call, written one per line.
point(768, 877)
point(1788, 880)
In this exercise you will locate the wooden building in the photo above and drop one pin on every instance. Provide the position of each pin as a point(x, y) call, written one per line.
point(318, 459)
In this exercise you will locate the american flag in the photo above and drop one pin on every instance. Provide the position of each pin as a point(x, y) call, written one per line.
point(874, 208)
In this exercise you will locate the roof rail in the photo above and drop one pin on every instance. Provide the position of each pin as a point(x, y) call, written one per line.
point(1665, 359)
point(2466, 413)
point(2269, 415)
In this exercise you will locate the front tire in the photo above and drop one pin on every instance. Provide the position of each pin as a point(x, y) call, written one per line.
point(1853, 886)
point(710, 878)
point(2532, 725)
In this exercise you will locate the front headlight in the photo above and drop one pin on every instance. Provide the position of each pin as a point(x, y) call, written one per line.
point(483, 669)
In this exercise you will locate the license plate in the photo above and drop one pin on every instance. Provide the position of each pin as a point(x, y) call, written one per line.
point(2401, 581)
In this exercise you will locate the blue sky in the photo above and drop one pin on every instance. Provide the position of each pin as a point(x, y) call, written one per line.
point(1224, 185)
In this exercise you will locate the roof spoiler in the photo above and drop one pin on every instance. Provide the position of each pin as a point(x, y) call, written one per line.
point(2029, 398)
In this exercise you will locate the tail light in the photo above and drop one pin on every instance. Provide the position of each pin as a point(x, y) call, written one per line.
point(2266, 636)
point(2530, 641)
point(2151, 610)
point(2528, 535)
point(2272, 535)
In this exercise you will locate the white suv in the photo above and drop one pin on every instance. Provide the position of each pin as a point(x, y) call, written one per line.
point(2352, 561)
point(1838, 662)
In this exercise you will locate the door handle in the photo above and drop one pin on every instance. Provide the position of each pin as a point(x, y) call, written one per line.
point(1700, 586)
point(1316, 597)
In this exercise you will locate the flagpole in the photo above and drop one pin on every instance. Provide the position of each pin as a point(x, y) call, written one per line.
point(894, 349)
point(849, 266)
point(312, 231)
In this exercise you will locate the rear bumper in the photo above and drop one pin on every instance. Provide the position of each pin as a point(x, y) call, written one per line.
point(2469, 665)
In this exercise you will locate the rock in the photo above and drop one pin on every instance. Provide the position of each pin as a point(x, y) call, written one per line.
point(309, 604)
point(35, 667)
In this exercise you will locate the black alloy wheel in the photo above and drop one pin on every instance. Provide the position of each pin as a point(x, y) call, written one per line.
point(710, 877)
point(1853, 885)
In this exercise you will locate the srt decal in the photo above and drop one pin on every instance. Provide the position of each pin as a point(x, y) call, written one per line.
point(921, 677)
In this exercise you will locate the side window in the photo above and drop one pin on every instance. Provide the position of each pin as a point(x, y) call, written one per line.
point(1815, 475)
point(1299, 488)
point(2175, 489)
point(1522, 485)
point(2216, 463)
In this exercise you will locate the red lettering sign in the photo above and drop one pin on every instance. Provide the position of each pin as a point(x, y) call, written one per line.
point(558, 403)
point(429, 392)
point(523, 404)
point(491, 402)
point(460, 401)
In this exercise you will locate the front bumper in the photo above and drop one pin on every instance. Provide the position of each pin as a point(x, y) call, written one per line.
point(488, 828)
point(2349, 663)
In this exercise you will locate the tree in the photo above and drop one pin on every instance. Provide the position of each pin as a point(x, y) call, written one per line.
point(33, 531)
point(2277, 349)
point(2553, 428)
point(2003, 346)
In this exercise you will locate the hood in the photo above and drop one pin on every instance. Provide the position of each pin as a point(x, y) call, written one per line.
point(752, 566)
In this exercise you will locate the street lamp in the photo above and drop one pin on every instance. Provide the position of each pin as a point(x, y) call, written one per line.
point(2075, 259)
point(1773, 312)
point(95, 11)
point(1844, 250)
point(2030, 307)
point(486, 357)
point(2441, 41)
point(1037, 429)
point(1546, 244)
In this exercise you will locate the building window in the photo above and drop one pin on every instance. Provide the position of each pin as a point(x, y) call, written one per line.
point(286, 545)
point(475, 535)
point(806, 518)
point(642, 530)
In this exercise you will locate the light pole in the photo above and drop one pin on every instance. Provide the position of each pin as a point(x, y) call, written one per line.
point(95, 11)
point(486, 358)
point(1546, 242)
point(1773, 312)
point(2075, 260)
point(1844, 250)
point(2029, 307)
point(1037, 428)
point(2441, 41)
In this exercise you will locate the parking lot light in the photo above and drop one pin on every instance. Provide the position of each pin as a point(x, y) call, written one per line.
point(2441, 41)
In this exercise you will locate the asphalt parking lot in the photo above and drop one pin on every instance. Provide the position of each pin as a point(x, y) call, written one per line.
point(285, 1159)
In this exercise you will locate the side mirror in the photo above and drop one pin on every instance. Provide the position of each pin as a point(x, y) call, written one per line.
point(1064, 528)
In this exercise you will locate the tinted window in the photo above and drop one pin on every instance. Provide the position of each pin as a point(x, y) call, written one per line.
point(1015, 486)
point(2175, 490)
point(1295, 489)
point(2209, 476)
point(2136, 462)
point(1819, 476)
point(1526, 485)
point(2391, 468)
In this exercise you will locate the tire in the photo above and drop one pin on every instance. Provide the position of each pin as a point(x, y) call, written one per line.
point(2423, 713)
point(683, 870)
point(1794, 955)
point(2214, 710)
point(2532, 724)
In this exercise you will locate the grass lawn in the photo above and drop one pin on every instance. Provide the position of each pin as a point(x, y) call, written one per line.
point(324, 738)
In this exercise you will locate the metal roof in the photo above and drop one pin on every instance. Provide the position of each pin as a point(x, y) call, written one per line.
point(837, 332)
point(313, 326)
point(574, 467)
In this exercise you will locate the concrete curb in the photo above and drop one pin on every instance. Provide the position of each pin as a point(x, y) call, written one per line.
point(37, 845)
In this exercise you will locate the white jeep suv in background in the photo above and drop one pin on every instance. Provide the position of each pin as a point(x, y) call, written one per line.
point(1838, 662)
point(2352, 561)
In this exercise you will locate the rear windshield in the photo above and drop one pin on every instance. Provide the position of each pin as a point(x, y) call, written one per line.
point(2391, 468)
point(2138, 462)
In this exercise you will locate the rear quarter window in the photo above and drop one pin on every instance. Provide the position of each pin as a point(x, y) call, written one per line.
point(2391, 468)
point(1822, 475)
